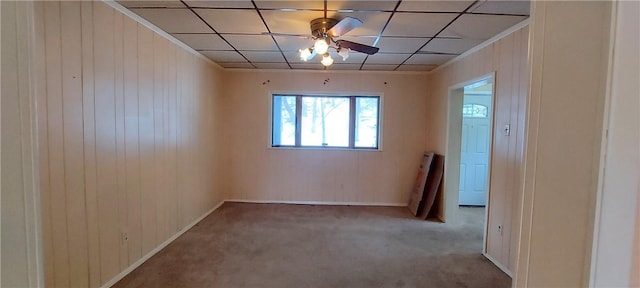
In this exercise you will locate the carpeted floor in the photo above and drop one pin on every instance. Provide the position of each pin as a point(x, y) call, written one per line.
point(277, 245)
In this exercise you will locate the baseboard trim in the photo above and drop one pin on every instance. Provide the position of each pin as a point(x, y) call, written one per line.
point(146, 257)
point(394, 204)
point(500, 266)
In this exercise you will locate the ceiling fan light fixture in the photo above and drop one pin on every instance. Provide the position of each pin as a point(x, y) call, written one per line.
point(305, 54)
point(344, 52)
point(327, 60)
point(321, 46)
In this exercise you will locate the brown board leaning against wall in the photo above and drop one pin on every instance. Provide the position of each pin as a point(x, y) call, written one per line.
point(415, 200)
point(433, 183)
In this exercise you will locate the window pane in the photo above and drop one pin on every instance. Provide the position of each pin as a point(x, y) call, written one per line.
point(325, 121)
point(366, 119)
point(475, 111)
point(284, 120)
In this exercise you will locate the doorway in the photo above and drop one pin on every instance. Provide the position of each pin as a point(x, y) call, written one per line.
point(474, 147)
point(468, 155)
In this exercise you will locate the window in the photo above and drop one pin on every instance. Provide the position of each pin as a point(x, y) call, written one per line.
point(326, 121)
point(475, 111)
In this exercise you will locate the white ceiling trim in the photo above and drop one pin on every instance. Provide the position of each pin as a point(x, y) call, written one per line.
point(154, 28)
point(489, 41)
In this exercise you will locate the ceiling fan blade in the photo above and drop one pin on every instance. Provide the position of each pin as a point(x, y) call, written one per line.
point(344, 26)
point(357, 47)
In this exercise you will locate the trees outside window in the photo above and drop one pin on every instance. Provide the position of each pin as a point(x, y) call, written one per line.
point(326, 121)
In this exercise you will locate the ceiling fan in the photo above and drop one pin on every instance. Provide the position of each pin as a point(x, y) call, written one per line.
point(325, 32)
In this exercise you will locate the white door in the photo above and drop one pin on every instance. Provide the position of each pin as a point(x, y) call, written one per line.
point(474, 160)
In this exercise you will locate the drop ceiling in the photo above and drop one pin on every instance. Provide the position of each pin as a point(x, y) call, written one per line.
point(412, 35)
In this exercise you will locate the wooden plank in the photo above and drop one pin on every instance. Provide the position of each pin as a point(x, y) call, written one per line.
point(118, 29)
point(56, 144)
point(146, 138)
point(88, 102)
point(433, 185)
point(73, 143)
point(132, 146)
point(159, 148)
point(172, 139)
point(105, 140)
point(180, 86)
point(43, 143)
point(13, 169)
point(415, 201)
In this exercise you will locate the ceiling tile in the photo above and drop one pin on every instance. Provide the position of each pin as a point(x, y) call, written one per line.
point(293, 57)
point(166, 4)
point(221, 4)
point(400, 45)
point(520, 7)
point(290, 22)
point(434, 6)
point(307, 66)
point(379, 67)
point(251, 42)
point(341, 66)
point(411, 67)
point(452, 46)
point(361, 5)
point(293, 43)
point(174, 20)
point(236, 65)
point(418, 24)
point(223, 56)
point(233, 20)
point(263, 56)
point(203, 41)
point(282, 65)
point(372, 22)
point(306, 4)
point(381, 58)
point(474, 26)
point(429, 59)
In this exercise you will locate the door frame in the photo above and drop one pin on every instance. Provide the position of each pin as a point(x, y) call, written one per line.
point(453, 154)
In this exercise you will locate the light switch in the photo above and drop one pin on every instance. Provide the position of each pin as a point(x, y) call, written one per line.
point(507, 130)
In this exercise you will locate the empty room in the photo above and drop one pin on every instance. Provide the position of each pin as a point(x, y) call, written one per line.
point(260, 143)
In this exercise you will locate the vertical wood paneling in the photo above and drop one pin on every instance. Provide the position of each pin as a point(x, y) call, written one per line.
point(107, 182)
point(120, 136)
point(172, 141)
point(145, 114)
point(158, 135)
point(111, 144)
point(73, 146)
point(56, 146)
point(89, 140)
point(131, 129)
point(506, 57)
point(15, 171)
point(43, 148)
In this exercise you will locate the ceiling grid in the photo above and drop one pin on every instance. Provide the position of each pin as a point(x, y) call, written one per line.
point(264, 34)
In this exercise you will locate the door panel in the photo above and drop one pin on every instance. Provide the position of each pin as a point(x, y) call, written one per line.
point(474, 149)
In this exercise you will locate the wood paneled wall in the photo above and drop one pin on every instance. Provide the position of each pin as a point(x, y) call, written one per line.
point(260, 173)
point(569, 75)
point(20, 250)
point(506, 57)
point(126, 135)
